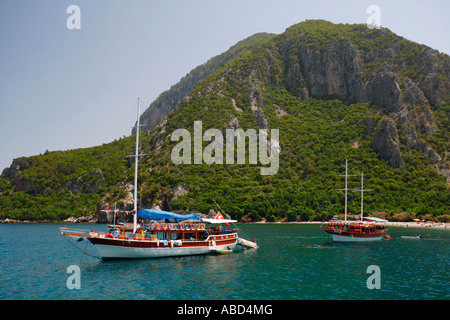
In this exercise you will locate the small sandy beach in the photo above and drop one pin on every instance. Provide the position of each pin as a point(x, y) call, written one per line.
point(427, 224)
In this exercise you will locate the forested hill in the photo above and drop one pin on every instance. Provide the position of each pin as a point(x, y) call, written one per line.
point(334, 92)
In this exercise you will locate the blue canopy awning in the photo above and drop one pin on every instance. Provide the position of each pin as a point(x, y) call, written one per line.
point(154, 214)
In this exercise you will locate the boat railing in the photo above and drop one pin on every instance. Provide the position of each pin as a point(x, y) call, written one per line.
point(174, 227)
point(80, 232)
point(73, 231)
point(220, 232)
point(354, 223)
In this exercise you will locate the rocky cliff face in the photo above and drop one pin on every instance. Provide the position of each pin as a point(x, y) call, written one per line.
point(344, 67)
point(409, 108)
point(401, 87)
point(334, 71)
point(386, 142)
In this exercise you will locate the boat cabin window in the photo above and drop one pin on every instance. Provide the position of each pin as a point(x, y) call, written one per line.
point(190, 236)
point(176, 236)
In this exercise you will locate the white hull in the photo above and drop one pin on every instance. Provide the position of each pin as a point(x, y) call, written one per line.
point(344, 238)
point(119, 252)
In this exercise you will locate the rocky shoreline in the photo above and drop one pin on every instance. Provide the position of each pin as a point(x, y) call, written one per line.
point(83, 219)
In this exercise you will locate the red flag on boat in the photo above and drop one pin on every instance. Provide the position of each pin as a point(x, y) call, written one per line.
point(220, 216)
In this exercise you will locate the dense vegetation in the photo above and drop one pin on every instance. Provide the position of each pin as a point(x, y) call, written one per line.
point(59, 184)
point(316, 136)
point(315, 140)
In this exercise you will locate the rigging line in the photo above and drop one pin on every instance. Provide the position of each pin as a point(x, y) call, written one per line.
point(128, 121)
point(76, 247)
point(237, 228)
point(84, 252)
point(143, 103)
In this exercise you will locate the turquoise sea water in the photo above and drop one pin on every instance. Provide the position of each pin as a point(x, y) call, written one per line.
point(294, 261)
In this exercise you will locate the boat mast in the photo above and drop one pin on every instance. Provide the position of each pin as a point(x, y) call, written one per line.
point(362, 194)
point(346, 189)
point(115, 211)
point(136, 161)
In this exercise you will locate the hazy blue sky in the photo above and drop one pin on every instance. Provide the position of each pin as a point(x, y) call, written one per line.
point(64, 89)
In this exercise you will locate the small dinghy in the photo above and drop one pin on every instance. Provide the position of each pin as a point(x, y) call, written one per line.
point(412, 237)
point(221, 250)
point(224, 251)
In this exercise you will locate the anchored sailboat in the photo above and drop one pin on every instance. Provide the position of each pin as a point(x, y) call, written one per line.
point(367, 229)
point(188, 235)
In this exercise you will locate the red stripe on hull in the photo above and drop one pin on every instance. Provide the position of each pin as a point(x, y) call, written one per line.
point(153, 244)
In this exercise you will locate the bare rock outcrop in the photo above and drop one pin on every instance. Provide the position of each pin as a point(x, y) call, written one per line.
point(333, 72)
point(386, 143)
point(409, 107)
